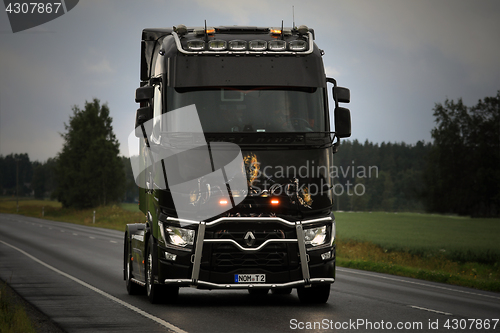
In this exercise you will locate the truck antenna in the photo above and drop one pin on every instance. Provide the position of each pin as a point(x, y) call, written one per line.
point(293, 16)
point(206, 33)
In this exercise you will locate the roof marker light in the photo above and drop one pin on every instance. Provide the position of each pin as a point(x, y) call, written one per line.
point(276, 45)
point(223, 202)
point(275, 31)
point(202, 31)
point(275, 202)
point(257, 45)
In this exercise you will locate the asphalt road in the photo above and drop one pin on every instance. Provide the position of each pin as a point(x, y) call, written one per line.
point(74, 275)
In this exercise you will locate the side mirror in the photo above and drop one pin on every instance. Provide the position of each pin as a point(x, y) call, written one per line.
point(341, 95)
point(342, 122)
point(143, 115)
point(144, 94)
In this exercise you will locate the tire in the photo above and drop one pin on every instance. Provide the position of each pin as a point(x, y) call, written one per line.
point(132, 288)
point(258, 292)
point(282, 291)
point(157, 293)
point(315, 294)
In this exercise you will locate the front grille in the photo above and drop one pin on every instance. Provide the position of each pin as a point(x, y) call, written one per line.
point(223, 259)
point(227, 257)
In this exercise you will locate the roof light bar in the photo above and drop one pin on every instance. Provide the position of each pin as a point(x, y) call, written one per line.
point(305, 45)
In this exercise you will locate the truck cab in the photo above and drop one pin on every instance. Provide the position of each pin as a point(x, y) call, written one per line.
point(234, 162)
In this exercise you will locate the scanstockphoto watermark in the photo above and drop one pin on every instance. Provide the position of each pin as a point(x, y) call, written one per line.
point(358, 324)
point(264, 174)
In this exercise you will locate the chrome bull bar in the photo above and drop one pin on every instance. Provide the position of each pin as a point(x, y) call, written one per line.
point(304, 259)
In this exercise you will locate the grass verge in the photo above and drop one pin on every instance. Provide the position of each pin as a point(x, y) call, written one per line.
point(110, 217)
point(371, 257)
point(13, 317)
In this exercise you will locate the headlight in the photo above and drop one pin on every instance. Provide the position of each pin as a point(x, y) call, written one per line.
point(315, 236)
point(179, 236)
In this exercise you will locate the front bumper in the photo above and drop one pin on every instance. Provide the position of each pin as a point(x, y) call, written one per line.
point(300, 267)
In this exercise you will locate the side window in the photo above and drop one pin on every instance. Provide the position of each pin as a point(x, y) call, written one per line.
point(157, 111)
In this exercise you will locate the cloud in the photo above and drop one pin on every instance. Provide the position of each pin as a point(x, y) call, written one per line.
point(97, 63)
point(331, 71)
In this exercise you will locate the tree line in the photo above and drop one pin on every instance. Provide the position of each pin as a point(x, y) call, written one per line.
point(385, 177)
point(458, 173)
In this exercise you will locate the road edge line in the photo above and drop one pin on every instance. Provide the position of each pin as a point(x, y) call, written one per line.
point(99, 291)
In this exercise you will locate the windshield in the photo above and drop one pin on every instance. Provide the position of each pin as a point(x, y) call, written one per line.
point(250, 109)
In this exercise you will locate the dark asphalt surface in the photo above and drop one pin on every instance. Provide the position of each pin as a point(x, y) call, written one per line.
point(74, 275)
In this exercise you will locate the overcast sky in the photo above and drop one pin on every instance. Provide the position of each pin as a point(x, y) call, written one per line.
point(398, 58)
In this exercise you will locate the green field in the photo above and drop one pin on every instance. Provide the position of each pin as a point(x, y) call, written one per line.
point(457, 238)
point(448, 249)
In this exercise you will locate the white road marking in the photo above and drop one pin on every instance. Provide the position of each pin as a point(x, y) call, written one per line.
point(418, 283)
point(430, 310)
point(99, 291)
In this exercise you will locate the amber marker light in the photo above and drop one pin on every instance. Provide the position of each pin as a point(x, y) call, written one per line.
point(223, 202)
point(275, 202)
point(275, 31)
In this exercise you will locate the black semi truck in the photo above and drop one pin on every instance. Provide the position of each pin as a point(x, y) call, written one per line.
point(250, 106)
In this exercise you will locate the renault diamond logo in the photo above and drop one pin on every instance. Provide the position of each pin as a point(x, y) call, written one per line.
point(249, 238)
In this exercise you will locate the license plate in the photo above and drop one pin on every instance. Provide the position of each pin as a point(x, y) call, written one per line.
point(249, 278)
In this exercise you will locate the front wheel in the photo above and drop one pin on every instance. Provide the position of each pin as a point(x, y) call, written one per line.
point(315, 294)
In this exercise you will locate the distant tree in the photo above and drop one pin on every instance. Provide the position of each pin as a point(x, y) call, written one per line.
point(132, 191)
point(463, 174)
point(14, 168)
point(43, 183)
point(38, 184)
point(89, 170)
